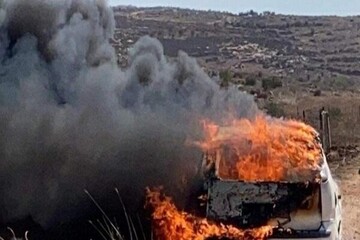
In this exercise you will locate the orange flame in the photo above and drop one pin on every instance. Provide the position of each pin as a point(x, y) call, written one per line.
point(172, 224)
point(264, 149)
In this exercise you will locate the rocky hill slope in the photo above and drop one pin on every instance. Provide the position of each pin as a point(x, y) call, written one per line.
point(293, 65)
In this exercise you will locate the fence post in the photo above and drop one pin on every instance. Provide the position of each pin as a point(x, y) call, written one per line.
point(325, 130)
point(298, 114)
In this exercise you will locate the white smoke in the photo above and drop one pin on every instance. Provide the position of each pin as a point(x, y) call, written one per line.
point(71, 119)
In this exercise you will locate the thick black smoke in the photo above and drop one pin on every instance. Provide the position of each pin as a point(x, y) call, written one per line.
point(71, 119)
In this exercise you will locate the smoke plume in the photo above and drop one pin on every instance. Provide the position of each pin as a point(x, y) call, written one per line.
point(72, 119)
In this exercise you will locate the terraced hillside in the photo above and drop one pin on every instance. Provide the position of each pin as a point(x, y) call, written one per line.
point(293, 65)
point(320, 50)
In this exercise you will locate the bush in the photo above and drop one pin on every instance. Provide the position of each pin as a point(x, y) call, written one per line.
point(271, 83)
point(225, 77)
point(317, 93)
point(275, 110)
point(250, 81)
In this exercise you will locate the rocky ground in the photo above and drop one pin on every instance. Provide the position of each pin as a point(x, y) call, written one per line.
point(347, 174)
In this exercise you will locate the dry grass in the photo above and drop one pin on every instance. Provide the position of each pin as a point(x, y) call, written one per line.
point(110, 230)
point(345, 111)
point(13, 235)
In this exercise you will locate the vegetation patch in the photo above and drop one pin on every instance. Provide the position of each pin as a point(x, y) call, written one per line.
point(271, 83)
point(274, 109)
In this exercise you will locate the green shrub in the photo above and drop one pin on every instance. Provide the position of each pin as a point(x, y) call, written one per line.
point(225, 77)
point(250, 81)
point(274, 110)
point(317, 93)
point(271, 83)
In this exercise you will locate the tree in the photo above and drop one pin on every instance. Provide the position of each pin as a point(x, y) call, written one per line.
point(253, 13)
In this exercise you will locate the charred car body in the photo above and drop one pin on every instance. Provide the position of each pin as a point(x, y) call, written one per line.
point(308, 208)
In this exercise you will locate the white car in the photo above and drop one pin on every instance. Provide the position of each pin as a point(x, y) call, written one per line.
point(310, 210)
point(325, 222)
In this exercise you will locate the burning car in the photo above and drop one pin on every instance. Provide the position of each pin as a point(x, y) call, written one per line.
point(264, 178)
point(270, 172)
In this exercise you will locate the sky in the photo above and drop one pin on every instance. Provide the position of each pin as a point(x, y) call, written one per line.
point(296, 7)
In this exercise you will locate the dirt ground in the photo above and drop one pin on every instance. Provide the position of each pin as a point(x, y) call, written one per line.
point(347, 174)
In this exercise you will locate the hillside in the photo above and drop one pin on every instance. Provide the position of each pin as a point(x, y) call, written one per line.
point(291, 64)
